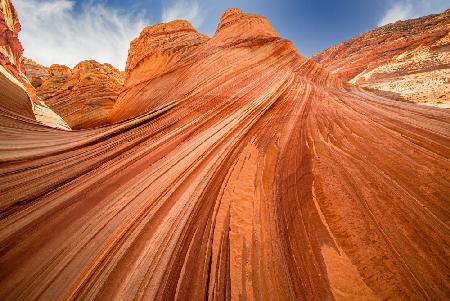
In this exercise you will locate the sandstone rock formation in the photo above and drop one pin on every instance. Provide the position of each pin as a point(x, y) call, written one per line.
point(10, 47)
point(158, 50)
point(35, 72)
point(260, 176)
point(11, 68)
point(406, 60)
point(82, 96)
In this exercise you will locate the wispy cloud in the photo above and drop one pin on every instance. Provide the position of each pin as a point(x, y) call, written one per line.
point(185, 10)
point(407, 9)
point(54, 32)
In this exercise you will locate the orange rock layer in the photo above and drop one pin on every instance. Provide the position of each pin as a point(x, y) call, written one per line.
point(35, 72)
point(82, 96)
point(258, 176)
point(407, 60)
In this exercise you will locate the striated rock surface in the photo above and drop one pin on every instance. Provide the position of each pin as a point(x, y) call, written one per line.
point(406, 60)
point(160, 46)
point(171, 51)
point(260, 176)
point(82, 96)
point(151, 58)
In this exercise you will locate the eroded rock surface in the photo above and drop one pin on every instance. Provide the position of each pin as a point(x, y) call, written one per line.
point(406, 60)
point(260, 176)
point(157, 51)
point(82, 96)
point(36, 73)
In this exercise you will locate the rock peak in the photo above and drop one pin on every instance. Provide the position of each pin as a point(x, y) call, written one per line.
point(159, 46)
point(231, 11)
point(168, 27)
point(235, 23)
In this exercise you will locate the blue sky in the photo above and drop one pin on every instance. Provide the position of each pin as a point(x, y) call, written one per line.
point(68, 31)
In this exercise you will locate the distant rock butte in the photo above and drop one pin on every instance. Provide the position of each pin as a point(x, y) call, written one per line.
point(35, 72)
point(406, 60)
point(238, 170)
point(11, 67)
point(82, 96)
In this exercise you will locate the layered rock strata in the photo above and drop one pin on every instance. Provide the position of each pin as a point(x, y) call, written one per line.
point(261, 176)
point(82, 96)
point(407, 60)
point(157, 51)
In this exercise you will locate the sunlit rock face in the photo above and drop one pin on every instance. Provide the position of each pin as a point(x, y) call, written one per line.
point(255, 174)
point(193, 61)
point(407, 60)
point(159, 50)
point(82, 96)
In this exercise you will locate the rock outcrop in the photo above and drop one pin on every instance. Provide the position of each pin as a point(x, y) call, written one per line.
point(11, 68)
point(159, 47)
point(406, 60)
point(151, 58)
point(260, 176)
point(82, 96)
point(35, 72)
point(10, 47)
point(177, 51)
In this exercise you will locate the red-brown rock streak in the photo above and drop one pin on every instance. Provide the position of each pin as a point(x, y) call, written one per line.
point(259, 176)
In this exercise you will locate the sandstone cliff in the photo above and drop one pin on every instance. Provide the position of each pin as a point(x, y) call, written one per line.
point(406, 60)
point(82, 96)
point(259, 176)
point(11, 67)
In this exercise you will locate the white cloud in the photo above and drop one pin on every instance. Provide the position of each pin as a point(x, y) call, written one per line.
point(54, 32)
point(185, 10)
point(408, 9)
point(400, 11)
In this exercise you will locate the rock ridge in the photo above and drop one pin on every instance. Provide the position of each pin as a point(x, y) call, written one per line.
point(406, 60)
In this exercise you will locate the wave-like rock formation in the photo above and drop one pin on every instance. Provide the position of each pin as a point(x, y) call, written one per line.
point(260, 176)
point(83, 96)
point(406, 60)
point(158, 50)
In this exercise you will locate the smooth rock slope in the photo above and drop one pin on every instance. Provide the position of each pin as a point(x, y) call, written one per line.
point(406, 60)
point(239, 170)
